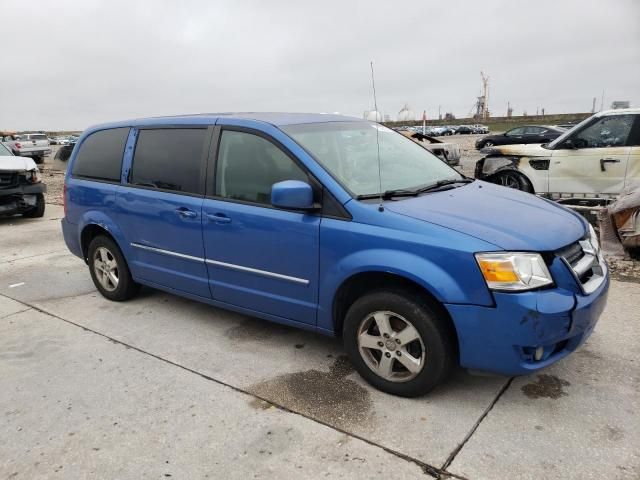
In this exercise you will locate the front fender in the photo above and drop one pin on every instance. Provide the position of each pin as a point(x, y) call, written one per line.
point(443, 286)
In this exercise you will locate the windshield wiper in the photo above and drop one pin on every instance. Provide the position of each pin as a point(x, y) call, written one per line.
point(403, 192)
point(443, 183)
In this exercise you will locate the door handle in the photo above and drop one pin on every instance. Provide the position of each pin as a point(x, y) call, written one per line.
point(218, 218)
point(607, 160)
point(186, 213)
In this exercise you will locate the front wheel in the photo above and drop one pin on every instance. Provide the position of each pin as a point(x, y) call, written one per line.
point(398, 344)
point(511, 179)
point(109, 270)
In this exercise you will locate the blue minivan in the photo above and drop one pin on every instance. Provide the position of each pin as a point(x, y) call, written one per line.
point(340, 226)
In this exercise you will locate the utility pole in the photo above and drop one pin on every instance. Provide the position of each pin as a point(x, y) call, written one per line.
point(593, 107)
point(602, 100)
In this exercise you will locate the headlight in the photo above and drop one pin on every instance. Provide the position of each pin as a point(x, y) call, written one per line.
point(513, 271)
point(32, 176)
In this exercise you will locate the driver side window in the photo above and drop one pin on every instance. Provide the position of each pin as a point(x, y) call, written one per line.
point(248, 165)
point(610, 131)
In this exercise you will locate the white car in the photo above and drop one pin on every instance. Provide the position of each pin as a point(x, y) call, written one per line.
point(588, 165)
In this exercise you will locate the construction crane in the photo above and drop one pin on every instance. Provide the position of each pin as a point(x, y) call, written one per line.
point(481, 106)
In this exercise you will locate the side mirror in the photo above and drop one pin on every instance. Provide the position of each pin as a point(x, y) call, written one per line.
point(292, 194)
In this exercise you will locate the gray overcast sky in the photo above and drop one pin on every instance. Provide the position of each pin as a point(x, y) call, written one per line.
point(68, 64)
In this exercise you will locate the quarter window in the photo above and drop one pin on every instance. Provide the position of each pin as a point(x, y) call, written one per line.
point(100, 155)
point(170, 159)
point(248, 165)
point(609, 131)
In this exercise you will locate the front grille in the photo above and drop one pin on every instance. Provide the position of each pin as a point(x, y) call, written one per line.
point(8, 179)
point(586, 264)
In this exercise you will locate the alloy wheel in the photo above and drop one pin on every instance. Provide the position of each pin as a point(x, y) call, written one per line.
point(391, 346)
point(105, 267)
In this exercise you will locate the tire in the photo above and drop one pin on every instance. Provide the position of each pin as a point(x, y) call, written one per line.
point(511, 179)
point(432, 353)
point(117, 284)
point(38, 160)
point(38, 210)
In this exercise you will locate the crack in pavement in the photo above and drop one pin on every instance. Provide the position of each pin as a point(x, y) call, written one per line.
point(457, 450)
point(426, 468)
point(15, 313)
point(9, 260)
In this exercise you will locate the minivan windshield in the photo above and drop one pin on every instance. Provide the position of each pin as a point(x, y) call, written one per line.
point(349, 152)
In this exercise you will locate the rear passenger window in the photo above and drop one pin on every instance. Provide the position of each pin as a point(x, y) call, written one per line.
point(170, 159)
point(248, 165)
point(100, 155)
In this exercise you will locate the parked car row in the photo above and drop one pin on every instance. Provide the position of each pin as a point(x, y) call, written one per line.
point(443, 130)
point(64, 140)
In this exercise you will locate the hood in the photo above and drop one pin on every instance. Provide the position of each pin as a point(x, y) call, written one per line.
point(13, 164)
point(507, 218)
point(518, 150)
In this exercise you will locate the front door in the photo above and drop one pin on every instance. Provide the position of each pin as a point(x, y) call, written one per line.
point(259, 257)
point(160, 208)
point(595, 162)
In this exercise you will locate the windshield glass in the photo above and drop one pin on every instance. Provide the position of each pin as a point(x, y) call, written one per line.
point(566, 134)
point(349, 152)
point(4, 151)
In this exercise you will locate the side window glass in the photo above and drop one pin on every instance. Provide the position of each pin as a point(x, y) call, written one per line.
point(610, 131)
point(515, 131)
point(100, 155)
point(248, 165)
point(169, 159)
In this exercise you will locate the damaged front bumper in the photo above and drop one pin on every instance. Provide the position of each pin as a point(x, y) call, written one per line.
point(20, 199)
point(526, 332)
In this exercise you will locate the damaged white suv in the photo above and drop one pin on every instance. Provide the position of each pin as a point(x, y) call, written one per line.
point(21, 188)
point(588, 165)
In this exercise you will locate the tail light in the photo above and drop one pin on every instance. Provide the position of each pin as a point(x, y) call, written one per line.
point(64, 198)
point(18, 145)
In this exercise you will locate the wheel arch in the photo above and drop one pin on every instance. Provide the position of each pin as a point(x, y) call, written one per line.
point(95, 224)
point(360, 283)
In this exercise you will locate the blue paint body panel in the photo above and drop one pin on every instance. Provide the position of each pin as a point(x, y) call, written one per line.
point(287, 266)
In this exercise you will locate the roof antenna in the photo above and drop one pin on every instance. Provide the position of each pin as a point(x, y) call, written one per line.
point(375, 105)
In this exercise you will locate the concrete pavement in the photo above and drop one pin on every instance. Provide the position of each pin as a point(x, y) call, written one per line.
point(61, 342)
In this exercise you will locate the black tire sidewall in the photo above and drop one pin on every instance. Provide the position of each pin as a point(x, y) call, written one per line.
point(428, 321)
point(126, 286)
point(38, 210)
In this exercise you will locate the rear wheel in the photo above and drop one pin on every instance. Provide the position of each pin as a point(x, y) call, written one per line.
point(511, 179)
point(38, 210)
point(109, 270)
point(38, 160)
point(399, 344)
